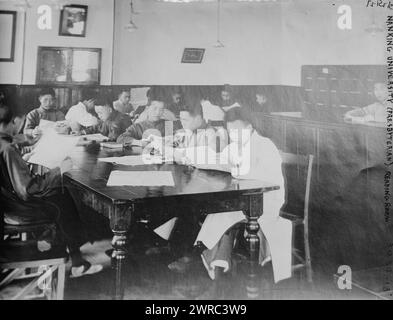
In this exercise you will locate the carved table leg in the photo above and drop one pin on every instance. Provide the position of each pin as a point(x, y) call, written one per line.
point(120, 218)
point(253, 213)
point(119, 243)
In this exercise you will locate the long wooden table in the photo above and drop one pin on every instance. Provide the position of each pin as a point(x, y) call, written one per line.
point(199, 191)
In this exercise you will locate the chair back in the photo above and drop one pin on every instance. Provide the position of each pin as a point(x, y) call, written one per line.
point(297, 174)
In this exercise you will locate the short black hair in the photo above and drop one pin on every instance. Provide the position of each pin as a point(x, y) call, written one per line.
point(46, 91)
point(238, 113)
point(88, 94)
point(193, 110)
point(103, 101)
point(6, 114)
point(123, 90)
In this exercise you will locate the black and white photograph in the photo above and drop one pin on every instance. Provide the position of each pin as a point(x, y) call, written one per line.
point(7, 35)
point(73, 20)
point(192, 55)
point(230, 151)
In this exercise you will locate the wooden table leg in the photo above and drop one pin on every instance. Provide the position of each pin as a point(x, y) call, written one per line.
point(120, 223)
point(252, 227)
point(119, 244)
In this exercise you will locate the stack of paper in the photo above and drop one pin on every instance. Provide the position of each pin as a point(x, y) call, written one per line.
point(52, 149)
point(141, 178)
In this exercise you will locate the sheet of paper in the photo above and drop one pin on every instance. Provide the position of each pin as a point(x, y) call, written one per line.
point(46, 125)
point(137, 160)
point(52, 149)
point(138, 96)
point(140, 178)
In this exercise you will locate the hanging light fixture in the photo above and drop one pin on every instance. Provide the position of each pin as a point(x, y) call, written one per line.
point(218, 43)
point(131, 26)
point(373, 29)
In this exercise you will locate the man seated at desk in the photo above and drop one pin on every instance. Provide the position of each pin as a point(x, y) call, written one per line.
point(228, 100)
point(112, 123)
point(153, 125)
point(248, 156)
point(46, 111)
point(184, 147)
point(82, 115)
point(122, 104)
point(177, 102)
point(166, 114)
point(376, 112)
point(28, 198)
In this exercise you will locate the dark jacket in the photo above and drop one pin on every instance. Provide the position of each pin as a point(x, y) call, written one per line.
point(19, 188)
point(113, 127)
point(34, 116)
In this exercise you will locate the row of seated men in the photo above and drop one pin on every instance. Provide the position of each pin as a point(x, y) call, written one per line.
point(247, 156)
point(111, 119)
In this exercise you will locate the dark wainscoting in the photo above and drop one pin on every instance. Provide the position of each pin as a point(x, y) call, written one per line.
point(281, 98)
point(347, 214)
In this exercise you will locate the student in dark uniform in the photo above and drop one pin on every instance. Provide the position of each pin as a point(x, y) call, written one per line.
point(26, 197)
point(111, 123)
point(153, 125)
point(46, 111)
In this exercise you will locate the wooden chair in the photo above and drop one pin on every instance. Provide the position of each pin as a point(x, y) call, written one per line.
point(20, 259)
point(301, 166)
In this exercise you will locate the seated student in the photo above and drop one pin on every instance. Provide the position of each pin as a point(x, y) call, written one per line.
point(262, 102)
point(248, 156)
point(166, 113)
point(27, 198)
point(112, 123)
point(177, 102)
point(122, 104)
point(374, 112)
point(228, 100)
point(82, 115)
point(154, 124)
point(140, 109)
point(195, 133)
point(46, 111)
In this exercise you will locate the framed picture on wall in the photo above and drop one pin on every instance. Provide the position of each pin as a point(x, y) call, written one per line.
point(7, 35)
point(73, 19)
point(192, 55)
point(64, 65)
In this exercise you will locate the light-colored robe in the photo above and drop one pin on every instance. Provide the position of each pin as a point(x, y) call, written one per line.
point(259, 160)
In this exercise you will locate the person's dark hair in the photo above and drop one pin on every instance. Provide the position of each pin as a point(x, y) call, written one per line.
point(6, 114)
point(227, 88)
point(47, 91)
point(176, 91)
point(238, 113)
point(88, 94)
point(103, 101)
point(123, 90)
point(149, 93)
point(193, 110)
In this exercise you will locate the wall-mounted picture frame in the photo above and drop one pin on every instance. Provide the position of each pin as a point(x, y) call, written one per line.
point(68, 66)
point(73, 21)
point(192, 55)
point(7, 35)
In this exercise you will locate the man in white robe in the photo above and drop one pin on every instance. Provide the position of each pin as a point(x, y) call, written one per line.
point(249, 156)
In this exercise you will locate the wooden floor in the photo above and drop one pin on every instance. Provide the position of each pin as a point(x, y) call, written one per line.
point(149, 278)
